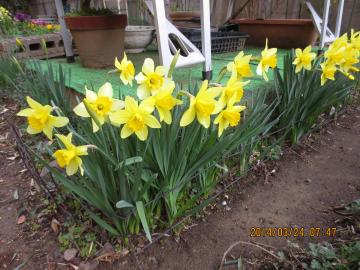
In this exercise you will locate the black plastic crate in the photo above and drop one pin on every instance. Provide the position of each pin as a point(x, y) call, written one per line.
point(220, 41)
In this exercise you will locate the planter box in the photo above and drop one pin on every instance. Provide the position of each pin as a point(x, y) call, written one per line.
point(98, 39)
point(32, 46)
point(282, 33)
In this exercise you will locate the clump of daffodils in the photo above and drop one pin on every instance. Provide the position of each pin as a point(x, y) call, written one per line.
point(214, 106)
point(342, 56)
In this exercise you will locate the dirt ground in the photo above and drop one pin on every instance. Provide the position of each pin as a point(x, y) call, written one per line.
point(307, 183)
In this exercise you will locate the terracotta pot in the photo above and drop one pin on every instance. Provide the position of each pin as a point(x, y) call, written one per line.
point(282, 33)
point(98, 39)
point(184, 15)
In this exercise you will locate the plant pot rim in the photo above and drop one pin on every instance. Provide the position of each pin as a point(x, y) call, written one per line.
point(115, 21)
point(139, 28)
point(95, 16)
point(274, 21)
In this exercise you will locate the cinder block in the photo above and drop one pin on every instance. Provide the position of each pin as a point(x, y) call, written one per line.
point(32, 46)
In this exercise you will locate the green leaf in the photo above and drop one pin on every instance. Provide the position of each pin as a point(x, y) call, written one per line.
point(130, 161)
point(102, 223)
point(141, 213)
point(124, 204)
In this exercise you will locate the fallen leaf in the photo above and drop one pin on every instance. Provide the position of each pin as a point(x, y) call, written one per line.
point(16, 194)
point(13, 157)
point(55, 226)
point(21, 219)
point(70, 254)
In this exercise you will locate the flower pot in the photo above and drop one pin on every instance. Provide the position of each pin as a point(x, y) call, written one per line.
point(98, 39)
point(137, 38)
point(282, 33)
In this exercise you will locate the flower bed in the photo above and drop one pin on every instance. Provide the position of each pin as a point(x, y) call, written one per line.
point(28, 38)
point(149, 161)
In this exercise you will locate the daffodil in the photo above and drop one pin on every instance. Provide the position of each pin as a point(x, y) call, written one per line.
point(242, 65)
point(164, 102)
point(303, 59)
point(69, 157)
point(228, 117)
point(102, 105)
point(234, 88)
point(150, 79)
point(268, 60)
point(350, 59)
point(355, 39)
point(201, 106)
point(40, 119)
point(328, 72)
point(136, 118)
point(335, 54)
point(126, 69)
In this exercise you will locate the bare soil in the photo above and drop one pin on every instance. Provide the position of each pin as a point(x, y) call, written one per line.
point(20, 244)
point(308, 182)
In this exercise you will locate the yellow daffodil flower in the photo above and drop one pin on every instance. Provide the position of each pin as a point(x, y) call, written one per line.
point(328, 72)
point(234, 88)
point(303, 59)
point(150, 79)
point(101, 104)
point(136, 118)
point(242, 65)
point(268, 60)
point(335, 55)
point(355, 39)
point(126, 69)
point(350, 59)
point(229, 116)
point(201, 106)
point(40, 119)
point(165, 102)
point(69, 157)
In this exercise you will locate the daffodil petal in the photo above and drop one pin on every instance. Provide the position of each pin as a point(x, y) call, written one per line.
point(80, 110)
point(82, 150)
point(72, 168)
point(117, 105)
point(259, 69)
point(48, 131)
point(117, 63)
point(58, 121)
point(120, 117)
point(140, 78)
point(126, 132)
point(188, 117)
point(95, 126)
point(148, 66)
point(32, 131)
point(131, 104)
point(25, 112)
point(33, 104)
point(106, 90)
point(167, 117)
point(160, 70)
point(91, 96)
point(203, 119)
point(148, 104)
point(143, 92)
point(142, 134)
point(151, 121)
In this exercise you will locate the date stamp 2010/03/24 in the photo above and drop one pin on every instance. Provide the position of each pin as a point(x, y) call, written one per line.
point(292, 232)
